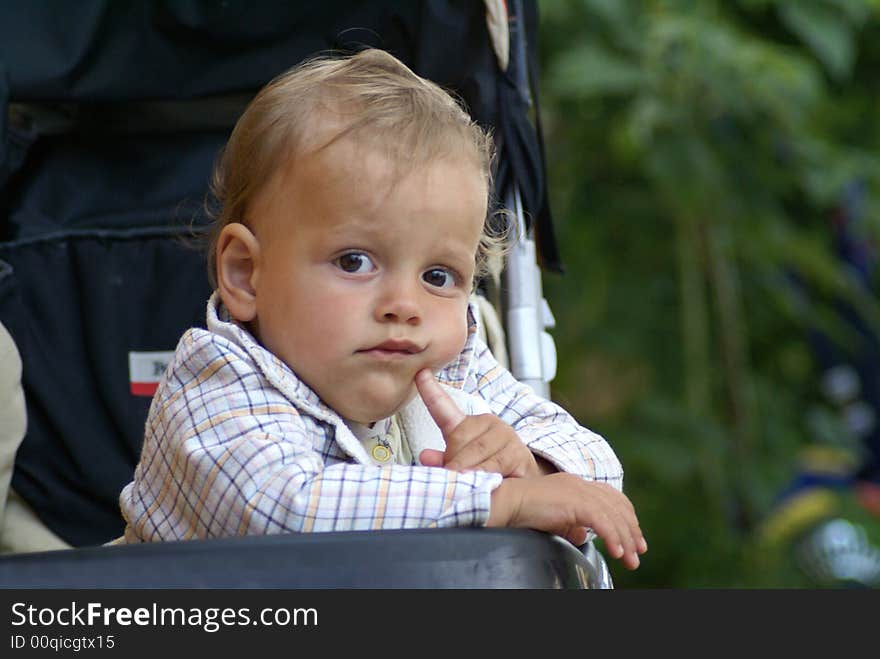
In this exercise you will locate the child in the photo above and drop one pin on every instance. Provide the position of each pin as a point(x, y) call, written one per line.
point(341, 383)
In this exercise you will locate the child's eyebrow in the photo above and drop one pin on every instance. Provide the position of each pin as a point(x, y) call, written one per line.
point(460, 258)
point(355, 225)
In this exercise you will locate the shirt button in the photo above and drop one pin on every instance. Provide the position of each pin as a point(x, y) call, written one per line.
point(381, 453)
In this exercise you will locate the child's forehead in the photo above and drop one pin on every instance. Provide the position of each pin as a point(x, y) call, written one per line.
point(350, 160)
point(356, 185)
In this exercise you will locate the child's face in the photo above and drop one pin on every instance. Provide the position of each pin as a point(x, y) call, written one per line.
point(363, 280)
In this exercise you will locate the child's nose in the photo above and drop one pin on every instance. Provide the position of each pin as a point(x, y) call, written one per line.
point(399, 303)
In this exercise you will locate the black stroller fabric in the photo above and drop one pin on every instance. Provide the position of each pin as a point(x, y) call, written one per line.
point(114, 113)
point(77, 305)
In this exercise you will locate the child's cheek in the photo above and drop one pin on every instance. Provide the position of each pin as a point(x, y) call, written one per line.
point(453, 345)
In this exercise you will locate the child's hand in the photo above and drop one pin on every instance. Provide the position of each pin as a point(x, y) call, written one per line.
point(481, 442)
point(566, 505)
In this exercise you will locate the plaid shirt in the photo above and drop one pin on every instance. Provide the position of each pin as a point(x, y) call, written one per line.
point(236, 444)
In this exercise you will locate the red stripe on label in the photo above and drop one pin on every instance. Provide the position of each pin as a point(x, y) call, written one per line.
point(144, 388)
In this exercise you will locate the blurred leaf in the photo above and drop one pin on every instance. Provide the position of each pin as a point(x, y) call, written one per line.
point(827, 32)
point(590, 70)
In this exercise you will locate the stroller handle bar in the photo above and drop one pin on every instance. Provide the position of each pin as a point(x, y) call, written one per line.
point(531, 348)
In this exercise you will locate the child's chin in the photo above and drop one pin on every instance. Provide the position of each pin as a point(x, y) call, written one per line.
point(375, 407)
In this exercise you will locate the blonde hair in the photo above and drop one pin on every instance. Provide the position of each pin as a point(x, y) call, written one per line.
point(375, 97)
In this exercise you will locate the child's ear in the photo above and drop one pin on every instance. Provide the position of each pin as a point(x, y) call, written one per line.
point(238, 257)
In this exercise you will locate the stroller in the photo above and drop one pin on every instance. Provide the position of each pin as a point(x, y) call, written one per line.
point(110, 134)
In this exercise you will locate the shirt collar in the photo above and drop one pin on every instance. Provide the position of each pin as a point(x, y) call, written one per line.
point(275, 370)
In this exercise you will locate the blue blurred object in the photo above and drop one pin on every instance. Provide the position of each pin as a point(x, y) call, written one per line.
point(851, 379)
point(835, 464)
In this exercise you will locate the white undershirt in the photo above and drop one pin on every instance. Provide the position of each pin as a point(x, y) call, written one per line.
point(383, 441)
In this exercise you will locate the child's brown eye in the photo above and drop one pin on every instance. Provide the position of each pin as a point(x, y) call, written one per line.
point(354, 262)
point(439, 278)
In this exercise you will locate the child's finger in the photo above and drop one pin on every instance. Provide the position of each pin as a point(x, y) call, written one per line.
point(630, 535)
point(576, 535)
point(488, 456)
point(441, 407)
point(469, 443)
point(606, 529)
point(431, 458)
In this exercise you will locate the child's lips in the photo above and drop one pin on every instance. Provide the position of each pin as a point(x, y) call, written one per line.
point(393, 349)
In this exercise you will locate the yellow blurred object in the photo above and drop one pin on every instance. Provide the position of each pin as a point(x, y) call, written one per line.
point(833, 460)
point(798, 513)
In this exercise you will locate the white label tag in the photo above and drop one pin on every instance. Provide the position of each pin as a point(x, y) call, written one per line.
point(145, 370)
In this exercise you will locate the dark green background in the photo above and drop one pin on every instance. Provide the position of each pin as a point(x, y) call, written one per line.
point(697, 151)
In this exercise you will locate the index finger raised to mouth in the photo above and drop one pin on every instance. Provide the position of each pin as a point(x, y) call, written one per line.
point(441, 407)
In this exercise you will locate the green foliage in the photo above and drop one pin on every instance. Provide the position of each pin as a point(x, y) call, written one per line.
point(696, 153)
